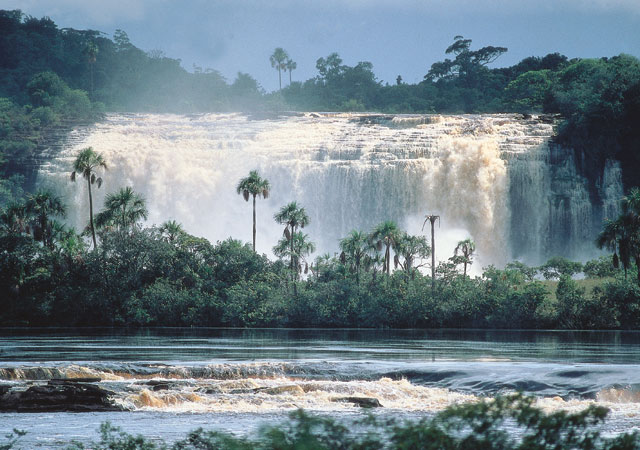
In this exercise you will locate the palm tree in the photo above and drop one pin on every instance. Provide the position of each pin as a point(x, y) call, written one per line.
point(15, 219)
point(291, 216)
point(171, 231)
point(622, 236)
point(122, 209)
point(278, 61)
point(297, 247)
point(387, 234)
point(290, 66)
point(91, 50)
point(411, 248)
point(41, 206)
point(86, 164)
point(464, 253)
point(253, 185)
point(354, 251)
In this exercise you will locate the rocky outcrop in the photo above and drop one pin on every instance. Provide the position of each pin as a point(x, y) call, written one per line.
point(57, 396)
point(362, 402)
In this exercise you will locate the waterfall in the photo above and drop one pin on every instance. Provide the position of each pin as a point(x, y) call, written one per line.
point(495, 178)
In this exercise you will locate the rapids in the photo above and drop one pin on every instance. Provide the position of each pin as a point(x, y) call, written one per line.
point(498, 179)
point(171, 381)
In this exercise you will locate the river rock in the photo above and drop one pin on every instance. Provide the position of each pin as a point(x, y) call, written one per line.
point(277, 390)
point(58, 397)
point(362, 402)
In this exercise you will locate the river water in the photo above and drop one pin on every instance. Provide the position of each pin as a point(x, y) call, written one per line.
point(237, 380)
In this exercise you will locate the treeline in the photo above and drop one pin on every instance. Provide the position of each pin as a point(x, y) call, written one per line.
point(135, 276)
point(599, 99)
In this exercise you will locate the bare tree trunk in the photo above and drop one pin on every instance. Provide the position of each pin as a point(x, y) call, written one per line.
point(279, 78)
point(254, 222)
point(93, 231)
point(433, 257)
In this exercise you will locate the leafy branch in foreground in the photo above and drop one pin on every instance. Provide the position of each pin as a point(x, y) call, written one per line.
point(509, 422)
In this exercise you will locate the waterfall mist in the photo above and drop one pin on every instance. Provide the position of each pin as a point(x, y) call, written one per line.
point(490, 177)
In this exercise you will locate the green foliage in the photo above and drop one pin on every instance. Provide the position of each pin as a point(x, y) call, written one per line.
point(559, 266)
point(600, 268)
point(11, 439)
point(510, 422)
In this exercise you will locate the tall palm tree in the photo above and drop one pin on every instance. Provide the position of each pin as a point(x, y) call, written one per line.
point(86, 164)
point(122, 210)
point(387, 234)
point(278, 61)
point(291, 216)
point(290, 66)
point(464, 252)
point(254, 186)
point(41, 206)
point(354, 251)
point(91, 50)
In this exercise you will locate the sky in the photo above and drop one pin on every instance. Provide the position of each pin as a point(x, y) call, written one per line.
point(400, 37)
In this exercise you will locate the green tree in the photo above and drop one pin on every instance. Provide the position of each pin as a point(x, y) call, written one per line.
point(386, 234)
point(41, 206)
point(290, 66)
point(91, 51)
point(292, 217)
point(253, 186)
point(463, 253)
point(467, 62)
point(172, 231)
point(411, 248)
point(354, 250)
point(122, 210)
point(296, 248)
point(278, 61)
point(15, 219)
point(559, 266)
point(622, 235)
point(86, 164)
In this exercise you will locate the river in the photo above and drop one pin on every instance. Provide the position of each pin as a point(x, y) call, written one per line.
point(237, 380)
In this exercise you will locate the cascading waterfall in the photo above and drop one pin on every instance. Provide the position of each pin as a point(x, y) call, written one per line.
point(495, 178)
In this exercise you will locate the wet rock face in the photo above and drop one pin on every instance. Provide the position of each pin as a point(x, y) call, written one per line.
point(58, 396)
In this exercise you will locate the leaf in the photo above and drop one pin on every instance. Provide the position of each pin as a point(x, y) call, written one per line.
point(93, 178)
point(73, 176)
point(265, 193)
point(99, 180)
point(286, 233)
point(245, 195)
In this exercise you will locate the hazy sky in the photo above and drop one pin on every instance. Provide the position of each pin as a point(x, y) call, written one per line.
point(400, 37)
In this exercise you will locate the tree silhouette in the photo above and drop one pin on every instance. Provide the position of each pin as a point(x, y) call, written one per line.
point(279, 62)
point(253, 186)
point(86, 164)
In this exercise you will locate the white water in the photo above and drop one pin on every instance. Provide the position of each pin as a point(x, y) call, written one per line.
point(237, 380)
point(349, 172)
